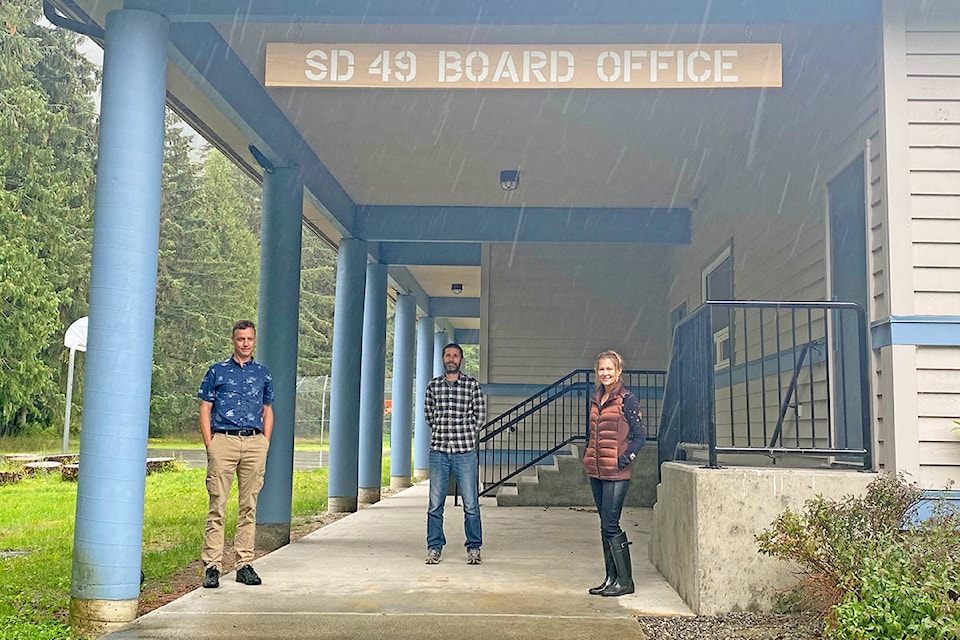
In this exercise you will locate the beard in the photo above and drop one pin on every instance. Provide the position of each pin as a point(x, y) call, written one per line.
point(451, 368)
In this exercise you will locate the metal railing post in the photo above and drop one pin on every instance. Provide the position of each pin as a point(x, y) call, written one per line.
point(866, 418)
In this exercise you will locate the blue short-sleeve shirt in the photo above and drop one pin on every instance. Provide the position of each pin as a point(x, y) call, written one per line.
point(238, 393)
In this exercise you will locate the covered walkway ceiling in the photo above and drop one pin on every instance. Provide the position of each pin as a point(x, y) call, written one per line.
point(416, 170)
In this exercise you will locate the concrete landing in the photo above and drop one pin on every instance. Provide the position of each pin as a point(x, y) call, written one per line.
point(364, 577)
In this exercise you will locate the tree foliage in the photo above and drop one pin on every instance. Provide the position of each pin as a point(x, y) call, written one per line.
point(318, 274)
point(206, 275)
point(47, 131)
point(209, 255)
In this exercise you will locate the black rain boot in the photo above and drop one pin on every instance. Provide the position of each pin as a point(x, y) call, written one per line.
point(620, 549)
point(611, 570)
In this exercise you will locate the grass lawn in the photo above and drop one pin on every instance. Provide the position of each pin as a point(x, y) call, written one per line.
point(36, 540)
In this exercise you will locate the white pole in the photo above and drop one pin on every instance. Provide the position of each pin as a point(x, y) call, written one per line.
point(323, 405)
point(66, 419)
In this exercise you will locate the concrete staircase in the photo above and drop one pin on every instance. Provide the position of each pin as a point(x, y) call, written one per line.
point(565, 484)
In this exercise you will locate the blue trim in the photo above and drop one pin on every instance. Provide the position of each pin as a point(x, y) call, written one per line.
point(401, 420)
point(935, 501)
point(518, 457)
point(458, 254)
point(524, 224)
point(920, 331)
point(278, 306)
point(421, 430)
point(123, 298)
point(454, 307)
point(529, 390)
point(372, 364)
point(214, 64)
point(514, 11)
point(409, 285)
point(785, 361)
point(344, 373)
point(440, 340)
point(513, 390)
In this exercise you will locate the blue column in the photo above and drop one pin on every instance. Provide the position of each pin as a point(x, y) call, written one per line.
point(372, 357)
point(123, 282)
point(401, 419)
point(277, 331)
point(421, 433)
point(440, 340)
point(345, 376)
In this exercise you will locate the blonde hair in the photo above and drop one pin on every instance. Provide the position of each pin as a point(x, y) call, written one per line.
point(610, 354)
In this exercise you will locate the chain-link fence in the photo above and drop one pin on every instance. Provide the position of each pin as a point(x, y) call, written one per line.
point(313, 408)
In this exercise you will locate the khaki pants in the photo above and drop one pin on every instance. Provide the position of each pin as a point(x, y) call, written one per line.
point(245, 457)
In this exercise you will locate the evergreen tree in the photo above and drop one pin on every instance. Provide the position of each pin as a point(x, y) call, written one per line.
point(318, 275)
point(46, 161)
point(207, 274)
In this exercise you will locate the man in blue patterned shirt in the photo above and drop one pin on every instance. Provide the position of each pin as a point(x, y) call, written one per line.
point(455, 410)
point(236, 419)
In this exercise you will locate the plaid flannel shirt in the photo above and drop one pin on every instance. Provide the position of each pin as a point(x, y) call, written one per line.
point(454, 412)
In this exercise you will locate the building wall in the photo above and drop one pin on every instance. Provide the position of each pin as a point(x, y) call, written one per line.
point(921, 349)
point(552, 308)
point(771, 212)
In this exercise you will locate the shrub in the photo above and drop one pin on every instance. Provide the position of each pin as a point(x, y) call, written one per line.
point(871, 573)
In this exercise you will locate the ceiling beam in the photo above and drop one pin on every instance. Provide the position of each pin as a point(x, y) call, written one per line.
point(207, 60)
point(444, 254)
point(454, 307)
point(520, 224)
point(512, 11)
point(404, 282)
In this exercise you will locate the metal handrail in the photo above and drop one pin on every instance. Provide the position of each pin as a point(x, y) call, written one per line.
point(697, 378)
point(556, 416)
point(791, 390)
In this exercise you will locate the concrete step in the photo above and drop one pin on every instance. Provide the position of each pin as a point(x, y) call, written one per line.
point(564, 482)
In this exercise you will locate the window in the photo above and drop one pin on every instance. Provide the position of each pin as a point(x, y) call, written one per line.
point(718, 285)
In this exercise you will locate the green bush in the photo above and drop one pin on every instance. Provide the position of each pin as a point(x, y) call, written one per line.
point(871, 573)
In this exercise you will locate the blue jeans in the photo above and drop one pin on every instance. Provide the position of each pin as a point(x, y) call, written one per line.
point(609, 496)
point(465, 469)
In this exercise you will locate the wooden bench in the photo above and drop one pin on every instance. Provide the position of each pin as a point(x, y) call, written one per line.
point(10, 477)
point(20, 459)
point(159, 464)
point(63, 458)
point(44, 466)
point(70, 472)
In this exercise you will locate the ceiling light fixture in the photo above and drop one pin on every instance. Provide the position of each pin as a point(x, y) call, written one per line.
point(456, 288)
point(509, 179)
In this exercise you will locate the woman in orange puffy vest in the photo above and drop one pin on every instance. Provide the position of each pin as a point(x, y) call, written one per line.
point(615, 436)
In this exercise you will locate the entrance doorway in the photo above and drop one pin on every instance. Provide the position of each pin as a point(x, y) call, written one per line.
point(848, 275)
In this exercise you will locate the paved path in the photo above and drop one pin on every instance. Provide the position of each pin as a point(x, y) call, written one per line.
point(363, 577)
point(197, 458)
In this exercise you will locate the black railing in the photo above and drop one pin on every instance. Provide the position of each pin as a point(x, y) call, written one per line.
point(537, 428)
point(773, 378)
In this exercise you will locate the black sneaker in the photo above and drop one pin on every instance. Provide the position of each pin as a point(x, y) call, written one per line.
point(247, 575)
point(211, 579)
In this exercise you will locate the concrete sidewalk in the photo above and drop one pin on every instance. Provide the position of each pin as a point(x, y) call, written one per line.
point(364, 577)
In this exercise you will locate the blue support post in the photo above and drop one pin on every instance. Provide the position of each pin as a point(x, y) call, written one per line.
point(440, 340)
point(401, 419)
point(108, 539)
point(372, 357)
point(421, 433)
point(277, 331)
point(345, 375)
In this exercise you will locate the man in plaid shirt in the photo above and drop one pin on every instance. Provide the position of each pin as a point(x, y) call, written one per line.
point(455, 410)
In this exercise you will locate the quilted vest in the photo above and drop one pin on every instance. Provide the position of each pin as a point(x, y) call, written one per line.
point(609, 436)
